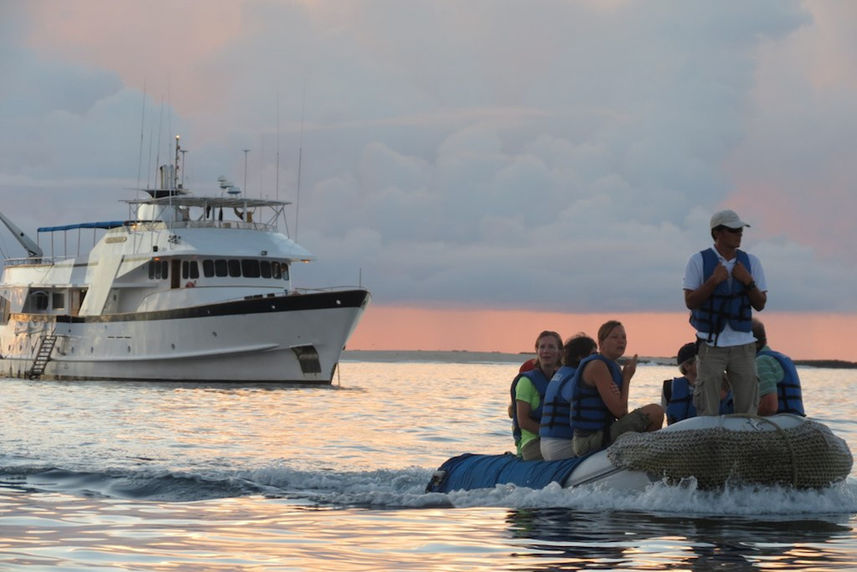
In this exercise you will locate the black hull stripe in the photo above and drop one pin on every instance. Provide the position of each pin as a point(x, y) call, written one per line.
point(232, 383)
point(260, 305)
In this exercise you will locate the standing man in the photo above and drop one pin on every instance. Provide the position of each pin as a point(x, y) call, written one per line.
point(722, 286)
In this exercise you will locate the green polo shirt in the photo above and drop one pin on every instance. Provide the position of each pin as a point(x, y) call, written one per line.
point(770, 373)
point(525, 391)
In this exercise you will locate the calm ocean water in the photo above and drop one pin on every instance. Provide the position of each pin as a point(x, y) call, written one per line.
point(166, 476)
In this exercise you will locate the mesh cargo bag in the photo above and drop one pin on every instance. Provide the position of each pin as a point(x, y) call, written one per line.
point(806, 456)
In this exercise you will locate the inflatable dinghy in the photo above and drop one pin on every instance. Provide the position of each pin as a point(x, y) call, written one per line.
point(785, 450)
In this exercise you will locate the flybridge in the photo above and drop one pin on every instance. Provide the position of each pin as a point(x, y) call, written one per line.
point(174, 206)
point(204, 201)
point(189, 211)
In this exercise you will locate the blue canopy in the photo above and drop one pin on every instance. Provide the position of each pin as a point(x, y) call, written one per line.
point(103, 224)
point(471, 471)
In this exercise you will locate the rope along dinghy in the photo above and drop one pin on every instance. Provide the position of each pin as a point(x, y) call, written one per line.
point(785, 450)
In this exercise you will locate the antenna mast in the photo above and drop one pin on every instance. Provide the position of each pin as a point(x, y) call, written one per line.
point(245, 170)
point(300, 163)
point(175, 182)
point(142, 129)
point(277, 170)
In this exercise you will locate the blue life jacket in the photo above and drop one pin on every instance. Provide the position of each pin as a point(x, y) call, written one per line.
point(729, 303)
point(789, 396)
point(679, 398)
point(540, 382)
point(556, 414)
point(588, 410)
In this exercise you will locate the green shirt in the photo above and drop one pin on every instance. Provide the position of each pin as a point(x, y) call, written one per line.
point(525, 391)
point(770, 373)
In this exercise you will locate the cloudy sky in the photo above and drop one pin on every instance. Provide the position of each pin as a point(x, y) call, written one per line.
point(557, 157)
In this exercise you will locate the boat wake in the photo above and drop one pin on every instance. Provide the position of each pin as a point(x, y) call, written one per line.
point(405, 488)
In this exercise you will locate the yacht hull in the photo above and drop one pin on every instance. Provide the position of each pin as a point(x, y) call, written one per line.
point(296, 338)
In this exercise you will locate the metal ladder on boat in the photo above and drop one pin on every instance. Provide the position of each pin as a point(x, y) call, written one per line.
point(43, 356)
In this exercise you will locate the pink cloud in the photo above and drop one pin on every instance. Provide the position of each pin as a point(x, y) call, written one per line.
point(163, 45)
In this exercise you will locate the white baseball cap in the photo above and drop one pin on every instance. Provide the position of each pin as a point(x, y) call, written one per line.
point(727, 218)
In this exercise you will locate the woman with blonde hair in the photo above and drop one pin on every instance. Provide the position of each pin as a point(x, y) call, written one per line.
point(599, 402)
point(528, 394)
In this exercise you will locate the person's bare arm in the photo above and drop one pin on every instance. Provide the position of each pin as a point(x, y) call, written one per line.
point(768, 404)
point(524, 419)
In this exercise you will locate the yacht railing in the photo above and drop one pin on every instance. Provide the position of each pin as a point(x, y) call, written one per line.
point(35, 261)
point(234, 224)
point(229, 224)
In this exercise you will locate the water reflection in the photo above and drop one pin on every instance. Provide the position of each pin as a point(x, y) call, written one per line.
point(134, 475)
point(565, 539)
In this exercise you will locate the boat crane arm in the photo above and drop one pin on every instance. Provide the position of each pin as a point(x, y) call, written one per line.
point(33, 249)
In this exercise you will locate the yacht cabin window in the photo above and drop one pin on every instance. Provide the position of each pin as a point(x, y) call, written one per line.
point(246, 267)
point(234, 268)
point(158, 269)
point(190, 269)
point(250, 268)
point(37, 301)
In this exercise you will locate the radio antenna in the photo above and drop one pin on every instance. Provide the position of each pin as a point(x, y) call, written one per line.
point(277, 168)
point(142, 129)
point(300, 162)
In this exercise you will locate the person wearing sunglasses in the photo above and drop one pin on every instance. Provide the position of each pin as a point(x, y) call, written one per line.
point(722, 286)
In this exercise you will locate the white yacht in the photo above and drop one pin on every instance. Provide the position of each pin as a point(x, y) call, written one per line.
point(191, 288)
